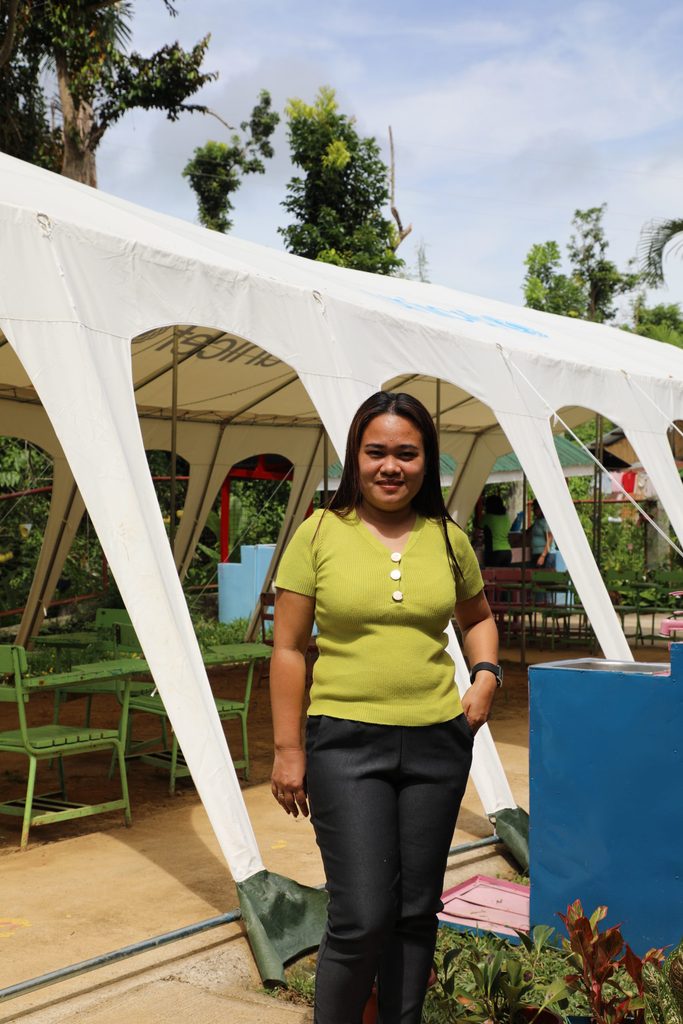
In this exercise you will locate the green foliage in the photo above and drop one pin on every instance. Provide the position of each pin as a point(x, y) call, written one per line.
point(83, 41)
point(655, 237)
point(264, 503)
point(337, 204)
point(594, 282)
point(163, 81)
point(299, 983)
point(663, 988)
point(499, 984)
point(23, 467)
point(26, 128)
point(587, 251)
point(661, 322)
point(546, 288)
point(210, 632)
point(216, 169)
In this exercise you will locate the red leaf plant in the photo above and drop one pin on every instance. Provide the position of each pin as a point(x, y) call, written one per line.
point(597, 957)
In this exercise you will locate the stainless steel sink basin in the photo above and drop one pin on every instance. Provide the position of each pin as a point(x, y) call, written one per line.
point(602, 665)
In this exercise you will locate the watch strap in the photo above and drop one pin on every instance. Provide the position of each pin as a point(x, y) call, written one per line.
point(487, 666)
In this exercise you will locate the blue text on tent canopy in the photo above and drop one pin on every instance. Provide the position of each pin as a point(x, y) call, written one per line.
point(460, 314)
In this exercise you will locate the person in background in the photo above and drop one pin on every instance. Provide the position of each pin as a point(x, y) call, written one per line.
point(388, 740)
point(496, 526)
point(543, 547)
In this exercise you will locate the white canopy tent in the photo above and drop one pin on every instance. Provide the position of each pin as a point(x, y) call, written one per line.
point(99, 300)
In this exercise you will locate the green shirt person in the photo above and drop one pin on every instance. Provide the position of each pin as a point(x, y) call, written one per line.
point(496, 526)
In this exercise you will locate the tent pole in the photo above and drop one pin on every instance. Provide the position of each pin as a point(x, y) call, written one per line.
point(522, 593)
point(225, 520)
point(438, 412)
point(597, 498)
point(326, 470)
point(182, 560)
point(174, 440)
point(597, 490)
point(39, 610)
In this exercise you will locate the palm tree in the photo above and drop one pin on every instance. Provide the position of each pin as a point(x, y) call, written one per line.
point(654, 238)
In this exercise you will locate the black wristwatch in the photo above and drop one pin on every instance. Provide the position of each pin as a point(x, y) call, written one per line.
point(487, 666)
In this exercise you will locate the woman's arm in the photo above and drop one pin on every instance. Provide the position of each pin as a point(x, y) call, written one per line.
point(480, 643)
point(292, 631)
point(548, 544)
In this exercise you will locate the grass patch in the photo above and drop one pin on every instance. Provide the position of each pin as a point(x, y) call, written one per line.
point(300, 978)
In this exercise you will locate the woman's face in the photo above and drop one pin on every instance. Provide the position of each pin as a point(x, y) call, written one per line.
point(391, 462)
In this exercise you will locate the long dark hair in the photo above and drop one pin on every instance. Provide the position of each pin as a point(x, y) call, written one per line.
point(428, 501)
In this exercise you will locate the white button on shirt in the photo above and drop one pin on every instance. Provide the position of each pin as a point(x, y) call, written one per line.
point(397, 595)
point(395, 574)
point(396, 556)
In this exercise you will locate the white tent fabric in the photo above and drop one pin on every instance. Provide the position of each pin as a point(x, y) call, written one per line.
point(96, 294)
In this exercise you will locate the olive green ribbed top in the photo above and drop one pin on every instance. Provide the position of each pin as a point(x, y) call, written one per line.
point(382, 657)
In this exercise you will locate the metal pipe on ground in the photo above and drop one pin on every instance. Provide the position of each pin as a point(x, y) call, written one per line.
point(84, 966)
point(475, 845)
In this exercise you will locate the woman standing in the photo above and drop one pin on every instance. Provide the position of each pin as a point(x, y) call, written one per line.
point(496, 527)
point(388, 742)
point(543, 549)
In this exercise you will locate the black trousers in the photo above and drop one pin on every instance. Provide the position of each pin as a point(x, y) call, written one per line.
point(384, 801)
point(498, 559)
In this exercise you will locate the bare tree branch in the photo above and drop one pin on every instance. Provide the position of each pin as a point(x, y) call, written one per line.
point(402, 232)
point(8, 41)
point(218, 117)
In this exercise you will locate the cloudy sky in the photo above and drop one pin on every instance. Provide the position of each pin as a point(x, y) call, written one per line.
point(507, 116)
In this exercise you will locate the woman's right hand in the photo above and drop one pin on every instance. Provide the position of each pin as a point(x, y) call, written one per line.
point(287, 780)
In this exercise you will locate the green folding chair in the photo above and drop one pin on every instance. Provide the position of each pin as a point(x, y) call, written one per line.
point(45, 742)
point(553, 601)
point(172, 758)
point(117, 635)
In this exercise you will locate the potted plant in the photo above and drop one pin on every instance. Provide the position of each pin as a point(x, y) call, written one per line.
point(598, 958)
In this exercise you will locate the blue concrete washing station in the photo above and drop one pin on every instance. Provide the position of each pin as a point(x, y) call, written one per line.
point(606, 794)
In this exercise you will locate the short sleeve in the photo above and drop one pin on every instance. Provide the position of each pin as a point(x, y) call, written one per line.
point(297, 569)
point(468, 582)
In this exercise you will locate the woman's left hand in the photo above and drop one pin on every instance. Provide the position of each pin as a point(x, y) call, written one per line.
point(480, 643)
point(477, 701)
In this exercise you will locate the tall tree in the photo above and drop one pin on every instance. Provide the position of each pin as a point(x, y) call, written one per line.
point(655, 237)
point(83, 41)
point(216, 169)
point(337, 204)
point(590, 289)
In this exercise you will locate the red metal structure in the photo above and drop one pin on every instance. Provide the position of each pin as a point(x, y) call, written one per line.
point(258, 467)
